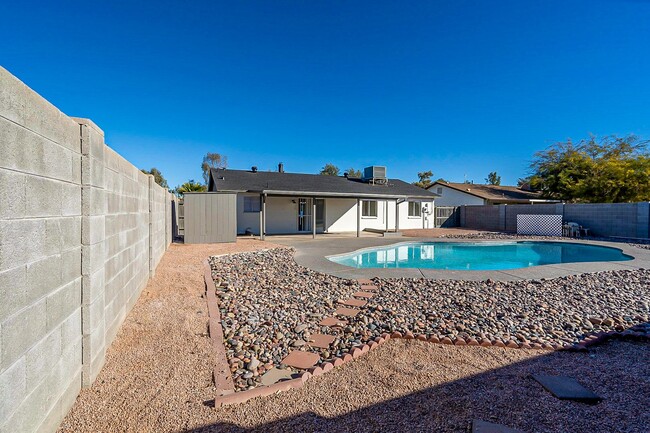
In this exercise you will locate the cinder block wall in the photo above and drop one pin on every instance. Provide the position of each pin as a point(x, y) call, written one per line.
point(81, 231)
point(482, 218)
point(606, 219)
point(630, 220)
point(40, 259)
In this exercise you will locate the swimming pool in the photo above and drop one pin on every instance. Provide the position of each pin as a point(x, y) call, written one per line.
point(475, 256)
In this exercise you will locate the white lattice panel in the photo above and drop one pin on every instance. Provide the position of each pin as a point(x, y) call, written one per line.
point(539, 225)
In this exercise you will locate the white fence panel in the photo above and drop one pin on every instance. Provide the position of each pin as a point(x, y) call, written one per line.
point(539, 225)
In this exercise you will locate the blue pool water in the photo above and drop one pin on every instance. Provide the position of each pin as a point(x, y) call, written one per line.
point(473, 256)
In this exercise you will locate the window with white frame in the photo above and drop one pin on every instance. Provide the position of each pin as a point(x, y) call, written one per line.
point(251, 204)
point(369, 208)
point(415, 209)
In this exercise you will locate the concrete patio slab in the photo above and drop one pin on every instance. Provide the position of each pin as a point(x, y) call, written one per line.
point(314, 253)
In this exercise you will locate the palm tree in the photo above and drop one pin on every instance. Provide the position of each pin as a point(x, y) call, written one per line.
point(189, 186)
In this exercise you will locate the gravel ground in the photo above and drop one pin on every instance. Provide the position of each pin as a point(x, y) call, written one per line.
point(272, 305)
point(412, 386)
point(158, 371)
point(157, 378)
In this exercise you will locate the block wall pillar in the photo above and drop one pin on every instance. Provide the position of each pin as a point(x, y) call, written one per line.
point(93, 250)
point(643, 220)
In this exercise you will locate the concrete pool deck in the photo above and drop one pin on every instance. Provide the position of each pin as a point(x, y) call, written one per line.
point(313, 253)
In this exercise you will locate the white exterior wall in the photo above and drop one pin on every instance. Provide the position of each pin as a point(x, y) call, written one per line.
point(340, 216)
point(247, 220)
point(453, 197)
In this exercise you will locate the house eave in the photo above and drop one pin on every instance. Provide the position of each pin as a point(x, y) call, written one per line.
point(344, 195)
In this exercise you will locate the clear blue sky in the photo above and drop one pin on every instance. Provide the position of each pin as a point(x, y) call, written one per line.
point(456, 87)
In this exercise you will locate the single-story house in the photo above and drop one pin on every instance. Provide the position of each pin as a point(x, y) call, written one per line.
point(459, 194)
point(290, 203)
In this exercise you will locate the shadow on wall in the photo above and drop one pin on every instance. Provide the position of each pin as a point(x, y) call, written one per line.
point(617, 371)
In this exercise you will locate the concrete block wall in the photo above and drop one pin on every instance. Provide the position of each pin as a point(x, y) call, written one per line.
point(78, 238)
point(481, 218)
point(40, 260)
point(159, 201)
point(609, 219)
point(630, 220)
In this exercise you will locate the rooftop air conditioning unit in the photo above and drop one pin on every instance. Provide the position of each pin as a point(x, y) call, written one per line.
point(375, 174)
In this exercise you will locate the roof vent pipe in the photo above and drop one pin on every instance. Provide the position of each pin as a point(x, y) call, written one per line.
point(254, 169)
point(281, 168)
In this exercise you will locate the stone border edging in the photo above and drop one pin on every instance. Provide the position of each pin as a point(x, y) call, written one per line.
point(221, 373)
point(226, 394)
point(358, 351)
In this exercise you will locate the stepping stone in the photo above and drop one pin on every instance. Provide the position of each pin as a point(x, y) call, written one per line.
point(479, 426)
point(364, 281)
point(350, 312)
point(371, 288)
point(321, 340)
point(275, 375)
point(300, 359)
point(332, 321)
point(566, 388)
point(354, 302)
point(363, 295)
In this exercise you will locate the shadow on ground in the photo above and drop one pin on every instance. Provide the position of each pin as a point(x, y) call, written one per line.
point(618, 371)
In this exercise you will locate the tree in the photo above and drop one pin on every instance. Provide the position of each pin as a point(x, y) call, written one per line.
point(189, 186)
point(157, 175)
point(493, 178)
point(330, 170)
point(425, 179)
point(607, 170)
point(353, 173)
point(212, 160)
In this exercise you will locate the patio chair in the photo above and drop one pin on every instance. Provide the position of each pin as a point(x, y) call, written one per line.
point(574, 230)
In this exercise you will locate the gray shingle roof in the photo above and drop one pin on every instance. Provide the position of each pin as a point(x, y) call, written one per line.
point(491, 192)
point(275, 183)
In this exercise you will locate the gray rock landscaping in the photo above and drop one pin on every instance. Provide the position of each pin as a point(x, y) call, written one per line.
point(271, 306)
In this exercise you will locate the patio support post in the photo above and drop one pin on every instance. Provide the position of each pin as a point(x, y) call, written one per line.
point(313, 218)
point(358, 217)
point(261, 219)
point(386, 213)
point(263, 229)
point(396, 215)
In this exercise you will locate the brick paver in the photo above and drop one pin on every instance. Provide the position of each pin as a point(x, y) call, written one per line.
point(367, 295)
point(321, 340)
point(300, 359)
point(350, 312)
point(354, 302)
point(333, 321)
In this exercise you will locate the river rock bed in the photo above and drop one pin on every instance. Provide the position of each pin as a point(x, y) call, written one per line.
point(270, 305)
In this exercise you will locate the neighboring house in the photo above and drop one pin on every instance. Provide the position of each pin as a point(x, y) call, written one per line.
point(459, 194)
point(286, 203)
